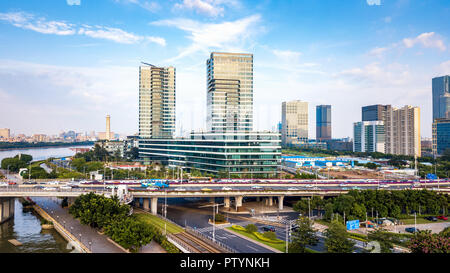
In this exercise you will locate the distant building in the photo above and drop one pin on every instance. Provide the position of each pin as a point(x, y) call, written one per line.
point(112, 146)
point(344, 144)
point(369, 136)
point(441, 136)
point(108, 128)
point(5, 133)
point(441, 97)
point(323, 122)
point(156, 101)
point(294, 119)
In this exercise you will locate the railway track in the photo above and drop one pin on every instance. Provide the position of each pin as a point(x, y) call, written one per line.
point(195, 244)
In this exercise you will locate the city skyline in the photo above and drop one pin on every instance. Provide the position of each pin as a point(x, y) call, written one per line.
point(81, 67)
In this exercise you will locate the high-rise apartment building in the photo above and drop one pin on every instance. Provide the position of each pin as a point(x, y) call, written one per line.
point(323, 122)
point(441, 97)
point(156, 101)
point(402, 126)
point(294, 119)
point(369, 136)
point(441, 135)
point(229, 92)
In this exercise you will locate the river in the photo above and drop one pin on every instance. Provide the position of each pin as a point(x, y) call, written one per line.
point(26, 226)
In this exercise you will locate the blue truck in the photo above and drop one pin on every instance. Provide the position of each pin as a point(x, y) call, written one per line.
point(160, 183)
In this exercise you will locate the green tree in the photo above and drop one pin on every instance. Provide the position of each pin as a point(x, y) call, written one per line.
point(337, 239)
point(303, 236)
point(382, 237)
point(13, 164)
point(24, 157)
point(250, 228)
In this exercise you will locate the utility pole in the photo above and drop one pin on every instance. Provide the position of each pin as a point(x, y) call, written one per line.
point(309, 207)
point(214, 222)
point(415, 223)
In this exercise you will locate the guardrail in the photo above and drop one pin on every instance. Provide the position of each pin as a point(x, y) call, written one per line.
point(216, 243)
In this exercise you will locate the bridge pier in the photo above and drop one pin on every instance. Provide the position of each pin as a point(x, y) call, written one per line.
point(226, 201)
point(146, 204)
point(270, 201)
point(6, 209)
point(137, 202)
point(212, 199)
point(154, 206)
point(238, 202)
point(280, 202)
point(258, 199)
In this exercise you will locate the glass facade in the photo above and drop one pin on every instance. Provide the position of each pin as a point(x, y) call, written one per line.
point(229, 92)
point(441, 136)
point(441, 97)
point(323, 122)
point(369, 136)
point(237, 153)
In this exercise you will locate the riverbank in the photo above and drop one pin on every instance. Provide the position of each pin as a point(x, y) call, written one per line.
point(6, 146)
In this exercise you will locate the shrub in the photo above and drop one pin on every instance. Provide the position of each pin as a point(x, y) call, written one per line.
point(237, 227)
point(250, 228)
point(270, 235)
point(219, 218)
point(265, 239)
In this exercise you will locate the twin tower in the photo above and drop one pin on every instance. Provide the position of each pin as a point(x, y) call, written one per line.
point(229, 96)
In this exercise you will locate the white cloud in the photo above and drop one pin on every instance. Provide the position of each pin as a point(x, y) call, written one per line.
point(378, 51)
point(230, 36)
point(428, 40)
point(73, 2)
point(148, 5)
point(287, 55)
point(444, 68)
point(212, 8)
point(374, 2)
point(28, 21)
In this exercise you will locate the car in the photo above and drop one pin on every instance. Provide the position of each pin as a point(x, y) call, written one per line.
point(342, 185)
point(411, 229)
point(206, 189)
point(309, 186)
point(356, 188)
point(49, 189)
point(268, 228)
point(65, 188)
point(180, 189)
point(292, 189)
point(431, 218)
point(227, 189)
point(3, 184)
point(12, 183)
point(384, 186)
point(29, 183)
point(53, 183)
point(152, 189)
point(38, 187)
point(442, 217)
point(256, 187)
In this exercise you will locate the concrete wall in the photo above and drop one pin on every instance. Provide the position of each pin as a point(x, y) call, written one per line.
point(6, 209)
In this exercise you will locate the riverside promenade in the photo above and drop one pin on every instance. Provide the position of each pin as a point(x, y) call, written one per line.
point(91, 240)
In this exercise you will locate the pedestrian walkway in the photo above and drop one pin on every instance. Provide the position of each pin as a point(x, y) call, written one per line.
point(94, 241)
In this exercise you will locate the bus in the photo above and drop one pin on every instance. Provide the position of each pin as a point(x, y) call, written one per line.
point(160, 183)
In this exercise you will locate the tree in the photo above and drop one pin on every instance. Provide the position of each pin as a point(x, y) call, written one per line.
point(303, 236)
point(382, 237)
point(130, 233)
point(425, 242)
point(13, 164)
point(24, 157)
point(337, 239)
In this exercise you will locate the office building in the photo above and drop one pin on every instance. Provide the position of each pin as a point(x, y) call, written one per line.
point(369, 136)
point(323, 122)
point(402, 127)
point(294, 119)
point(156, 101)
point(441, 136)
point(441, 97)
point(5, 133)
point(229, 92)
point(237, 153)
point(374, 112)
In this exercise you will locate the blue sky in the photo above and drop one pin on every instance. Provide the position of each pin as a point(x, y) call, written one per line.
point(66, 64)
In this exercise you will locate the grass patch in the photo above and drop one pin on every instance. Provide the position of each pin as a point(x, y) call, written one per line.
point(420, 220)
point(158, 222)
point(279, 246)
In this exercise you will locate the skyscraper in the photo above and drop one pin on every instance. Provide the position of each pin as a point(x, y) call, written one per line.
point(294, 119)
point(156, 101)
point(323, 122)
point(441, 135)
point(441, 97)
point(369, 136)
point(229, 92)
point(373, 112)
point(402, 126)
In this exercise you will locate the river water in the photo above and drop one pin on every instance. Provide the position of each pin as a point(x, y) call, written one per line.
point(26, 225)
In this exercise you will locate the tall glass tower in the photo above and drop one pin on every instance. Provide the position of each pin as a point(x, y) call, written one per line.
point(156, 101)
point(229, 92)
point(323, 122)
point(441, 97)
